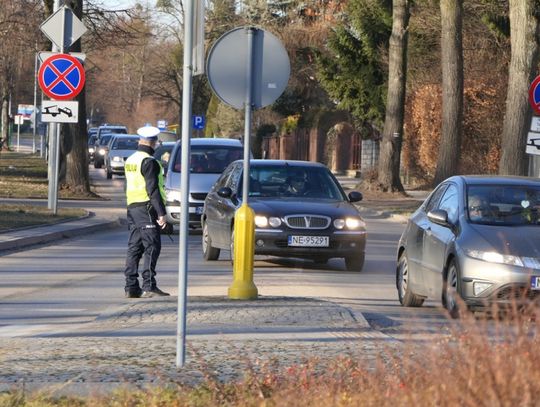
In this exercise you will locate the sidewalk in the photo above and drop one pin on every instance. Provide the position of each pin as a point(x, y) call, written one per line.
point(135, 344)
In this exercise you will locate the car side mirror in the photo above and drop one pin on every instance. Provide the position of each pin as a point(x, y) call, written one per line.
point(440, 217)
point(225, 192)
point(355, 196)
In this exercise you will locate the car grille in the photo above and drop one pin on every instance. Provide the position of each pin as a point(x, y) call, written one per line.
point(198, 196)
point(307, 222)
point(518, 293)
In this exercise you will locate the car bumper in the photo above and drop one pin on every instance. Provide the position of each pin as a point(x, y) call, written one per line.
point(509, 285)
point(341, 243)
point(117, 167)
point(195, 211)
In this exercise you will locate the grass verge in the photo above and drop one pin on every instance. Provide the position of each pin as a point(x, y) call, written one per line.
point(25, 176)
point(483, 362)
point(20, 216)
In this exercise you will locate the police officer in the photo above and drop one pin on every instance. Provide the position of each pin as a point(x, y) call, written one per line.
point(146, 215)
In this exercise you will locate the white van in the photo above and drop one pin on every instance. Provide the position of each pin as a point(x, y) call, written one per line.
point(209, 157)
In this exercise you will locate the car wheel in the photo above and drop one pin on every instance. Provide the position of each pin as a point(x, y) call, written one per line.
point(97, 164)
point(209, 252)
point(109, 174)
point(450, 289)
point(406, 297)
point(355, 263)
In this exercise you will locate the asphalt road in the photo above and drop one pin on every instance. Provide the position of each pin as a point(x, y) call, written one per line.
point(56, 287)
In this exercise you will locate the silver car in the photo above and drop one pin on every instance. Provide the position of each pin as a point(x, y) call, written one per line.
point(120, 148)
point(476, 237)
point(209, 157)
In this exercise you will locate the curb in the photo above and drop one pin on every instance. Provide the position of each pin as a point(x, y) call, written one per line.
point(47, 237)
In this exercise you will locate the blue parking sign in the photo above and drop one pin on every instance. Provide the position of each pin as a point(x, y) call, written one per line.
point(198, 122)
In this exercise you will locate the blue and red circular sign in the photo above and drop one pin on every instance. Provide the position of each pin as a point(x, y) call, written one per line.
point(534, 95)
point(61, 77)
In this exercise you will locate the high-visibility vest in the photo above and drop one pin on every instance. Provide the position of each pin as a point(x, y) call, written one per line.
point(135, 183)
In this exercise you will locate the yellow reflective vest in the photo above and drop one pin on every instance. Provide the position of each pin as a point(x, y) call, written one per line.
point(135, 183)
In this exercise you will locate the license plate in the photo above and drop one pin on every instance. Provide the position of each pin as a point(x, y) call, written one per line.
point(535, 282)
point(198, 210)
point(309, 241)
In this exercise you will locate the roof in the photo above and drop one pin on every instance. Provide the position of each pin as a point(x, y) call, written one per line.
point(497, 180)
point(281, 163)
point(215, 141)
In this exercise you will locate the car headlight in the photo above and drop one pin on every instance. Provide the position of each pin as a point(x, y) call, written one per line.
point(351, 223)
point(91, 150)
point(117, 159)
point(494, 257)
point(101, 151)
point(172, 195)
point(339, 223)
point(274, 222)
point(261, 221)
point(354, 223)
point(479, 287)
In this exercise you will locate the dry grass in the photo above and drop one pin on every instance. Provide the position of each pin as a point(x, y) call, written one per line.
point(484, 362)
point(20, 216)
point(25, 176)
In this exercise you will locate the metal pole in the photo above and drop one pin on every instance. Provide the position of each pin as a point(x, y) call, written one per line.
point(18, 132)
point(34, 124)
point(251, 31)
point(184, 185)
point(53, 152)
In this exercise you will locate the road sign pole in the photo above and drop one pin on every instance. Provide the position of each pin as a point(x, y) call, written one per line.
point(184, 185)
point(34, 123)
point(18, 132)
point(53, 152)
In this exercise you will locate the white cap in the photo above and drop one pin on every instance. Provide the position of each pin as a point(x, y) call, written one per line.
point(148, 132)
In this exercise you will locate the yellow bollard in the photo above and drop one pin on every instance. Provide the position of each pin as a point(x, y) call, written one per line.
point(243, 287)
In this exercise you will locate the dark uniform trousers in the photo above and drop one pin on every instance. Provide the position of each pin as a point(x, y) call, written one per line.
point(144, 242)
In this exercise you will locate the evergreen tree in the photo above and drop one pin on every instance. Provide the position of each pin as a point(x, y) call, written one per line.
point(353, 70)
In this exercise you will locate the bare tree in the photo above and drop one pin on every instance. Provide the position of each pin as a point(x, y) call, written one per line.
point(525, 40)
point(389, 161)
point(452, 88)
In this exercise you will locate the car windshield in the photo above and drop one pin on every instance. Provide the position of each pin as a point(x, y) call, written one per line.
point(104, 140)
point(125, 144)
point(293, 181)
point(92, 140)
point(209, 159)
point(504, 205)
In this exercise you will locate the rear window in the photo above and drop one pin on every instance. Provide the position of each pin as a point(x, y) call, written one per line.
point(125, 143)
point(209, 159)
point(115, 130)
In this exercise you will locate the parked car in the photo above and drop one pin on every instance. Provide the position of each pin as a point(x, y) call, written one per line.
point(209, 157)
point(476, 238)
point(120, 148)
point(163, 153)
point(300, 211)
point(167, 136)
point(100, 149)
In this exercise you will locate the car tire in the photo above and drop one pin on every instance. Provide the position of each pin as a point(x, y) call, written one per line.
point(450, 291)
point(97, 164)
point(355, 263)
point(210, 252)
point(406, 297)
point(109, 174)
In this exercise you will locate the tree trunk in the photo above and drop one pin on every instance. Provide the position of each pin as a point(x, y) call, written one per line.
point(5, 120)
point(452, 89)
point(389, 164)
point(77, 178)
point(525, 37)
